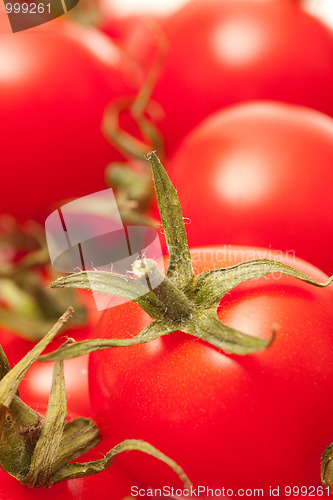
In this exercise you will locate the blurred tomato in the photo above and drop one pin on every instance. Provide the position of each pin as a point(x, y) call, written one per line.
point(260, 174)
point(55, 81)
point(224, 52)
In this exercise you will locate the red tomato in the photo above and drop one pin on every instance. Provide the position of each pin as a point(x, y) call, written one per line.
point(55, 82)
point(239, 421)
point(224, 52)
point(260, 174)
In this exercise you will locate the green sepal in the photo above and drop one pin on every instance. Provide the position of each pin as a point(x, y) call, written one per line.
point(20, 432)
point(327, 468)
point(211, 286)
point(154, 330)
point(46, 449)
point(79, 436)
point(112, 284)
point(180, 269)
point(207, 326)
point(10, 382)
point(77, 470)
point(4, 363)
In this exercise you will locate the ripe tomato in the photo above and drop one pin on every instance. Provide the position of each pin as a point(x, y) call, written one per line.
point(260, 174)
point(254, 421)
point(242, 50)
point(55, 82)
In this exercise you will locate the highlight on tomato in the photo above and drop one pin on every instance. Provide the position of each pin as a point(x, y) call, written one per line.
point(242, 50)
point(259, 173)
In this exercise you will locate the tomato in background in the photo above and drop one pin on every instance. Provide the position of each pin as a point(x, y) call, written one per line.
point(55, 82)
point(249, 421)
point(224, 52)
point(260, 174)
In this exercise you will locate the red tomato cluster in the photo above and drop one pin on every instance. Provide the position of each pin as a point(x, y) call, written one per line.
point(244, 104)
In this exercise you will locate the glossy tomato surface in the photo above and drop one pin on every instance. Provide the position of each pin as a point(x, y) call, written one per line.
point(224, 52)
point(260, 174)
point(242, 422)
point(55, 82)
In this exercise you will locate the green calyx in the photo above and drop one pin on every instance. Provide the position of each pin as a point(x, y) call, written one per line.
point(180, 300)
point(40, 454)
point(327, 468)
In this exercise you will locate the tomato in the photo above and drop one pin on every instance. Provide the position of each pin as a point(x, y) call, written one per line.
point(242, 50)
point(249, 421)
point(55, 82)
point(260, 174)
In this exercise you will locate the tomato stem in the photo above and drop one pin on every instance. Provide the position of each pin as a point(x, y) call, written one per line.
point(173, 302)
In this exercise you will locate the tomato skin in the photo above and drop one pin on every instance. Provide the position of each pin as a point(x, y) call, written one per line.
point(254, 421)
point(59, 78)
point(242, 50)
point(260, 174)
